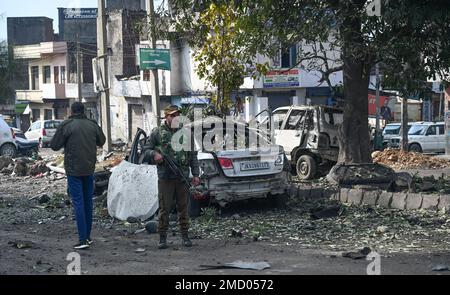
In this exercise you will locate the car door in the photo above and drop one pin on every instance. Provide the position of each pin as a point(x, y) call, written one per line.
point(289, 135)
point(430, 139)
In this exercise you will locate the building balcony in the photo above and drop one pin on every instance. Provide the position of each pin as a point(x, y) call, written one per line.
point(29, 95)
point(53, 91)
point(36, 51)
point(87, 90)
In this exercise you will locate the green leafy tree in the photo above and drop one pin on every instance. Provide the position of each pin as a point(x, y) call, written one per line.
point(8, 71)
point(413, 34)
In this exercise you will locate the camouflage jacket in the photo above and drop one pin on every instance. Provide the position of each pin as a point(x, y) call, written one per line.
point(160, 141)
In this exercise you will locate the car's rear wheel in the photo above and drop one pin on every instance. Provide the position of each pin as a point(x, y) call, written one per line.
point(306, 167)
point(414, 147)
point(9, 150)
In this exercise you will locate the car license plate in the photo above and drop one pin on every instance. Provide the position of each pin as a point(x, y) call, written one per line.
point(254, 166)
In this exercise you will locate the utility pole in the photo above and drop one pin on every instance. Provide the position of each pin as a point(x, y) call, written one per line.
point(103, 62)
point(154, 81)
point(441, 101)
point(79, 56)
point(377, 97)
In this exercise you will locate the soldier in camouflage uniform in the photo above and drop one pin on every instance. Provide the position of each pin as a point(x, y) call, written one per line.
point(170, 185)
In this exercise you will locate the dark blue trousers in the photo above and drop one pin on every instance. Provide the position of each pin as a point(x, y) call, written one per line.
point(81, 189)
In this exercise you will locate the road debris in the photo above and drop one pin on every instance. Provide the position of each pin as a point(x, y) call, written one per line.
point(361, 254)
point(21, 244)
point(151, 227)
point(330, 212)
point(240, 264)
point(441, 267)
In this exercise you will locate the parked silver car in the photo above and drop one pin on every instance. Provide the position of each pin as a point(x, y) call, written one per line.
point(233, 175)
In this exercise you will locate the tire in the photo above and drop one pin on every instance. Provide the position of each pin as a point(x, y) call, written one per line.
point(415, 147)
point(9, 150)
point(306, 167)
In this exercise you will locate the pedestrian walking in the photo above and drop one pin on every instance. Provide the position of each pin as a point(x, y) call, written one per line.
point(80, 137)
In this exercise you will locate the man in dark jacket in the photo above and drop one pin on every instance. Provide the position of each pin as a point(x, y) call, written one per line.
point(171, 185)
point(80, 137)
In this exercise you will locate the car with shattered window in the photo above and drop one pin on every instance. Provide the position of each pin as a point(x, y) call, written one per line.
point(228, 175)
point(309, 136)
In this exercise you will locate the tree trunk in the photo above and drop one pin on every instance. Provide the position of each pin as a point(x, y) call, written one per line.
point(404, 128)
point(354, 139)
point(354, 142)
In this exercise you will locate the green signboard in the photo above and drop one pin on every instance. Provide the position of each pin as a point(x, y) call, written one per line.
point(151, 59)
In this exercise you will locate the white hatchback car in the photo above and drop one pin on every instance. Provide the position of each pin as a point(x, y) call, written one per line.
point(43, 131)
point(8, 145)
point(426, 137)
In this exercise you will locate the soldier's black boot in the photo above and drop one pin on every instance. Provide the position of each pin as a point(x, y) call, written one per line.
point(162, 241)
point(186, 241)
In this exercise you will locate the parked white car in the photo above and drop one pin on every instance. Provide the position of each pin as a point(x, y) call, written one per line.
point(43, 131)
point(426, 137)
point(8, 145)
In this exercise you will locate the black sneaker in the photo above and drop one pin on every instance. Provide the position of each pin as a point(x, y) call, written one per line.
point(162, 242)
point(81, 245)
point(89, 241)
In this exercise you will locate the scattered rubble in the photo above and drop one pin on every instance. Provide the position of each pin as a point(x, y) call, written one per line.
point(5, 162)
point(398, 160)
point(39, 168)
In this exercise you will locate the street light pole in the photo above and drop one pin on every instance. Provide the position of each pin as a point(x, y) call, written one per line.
point(103, 60)
point(154, 81)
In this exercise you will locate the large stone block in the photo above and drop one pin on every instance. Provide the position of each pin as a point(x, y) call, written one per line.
point(371, 197)
point(444, 202)
point(355, 196)
point(399, 201)
point(430, 201)
point(343, 195)
point(385, 199)
point(293, 191)
point(332, 194)
point(304, 193)
point(316, 193)
point(413, 201)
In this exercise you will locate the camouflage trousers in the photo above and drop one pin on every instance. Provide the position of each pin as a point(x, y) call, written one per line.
point(170, 190)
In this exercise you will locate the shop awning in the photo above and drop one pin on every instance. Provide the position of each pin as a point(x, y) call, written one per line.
point(21, 107)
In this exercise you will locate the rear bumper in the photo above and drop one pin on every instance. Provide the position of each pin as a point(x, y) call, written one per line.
point(224, 190)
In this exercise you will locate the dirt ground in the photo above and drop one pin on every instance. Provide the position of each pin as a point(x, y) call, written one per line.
point(36, 238)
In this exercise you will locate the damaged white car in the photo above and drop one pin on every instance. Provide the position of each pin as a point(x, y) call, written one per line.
point(232, 175)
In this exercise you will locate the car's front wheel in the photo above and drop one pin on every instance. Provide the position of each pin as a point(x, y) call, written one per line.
point(306, 167)
point(9, 150)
